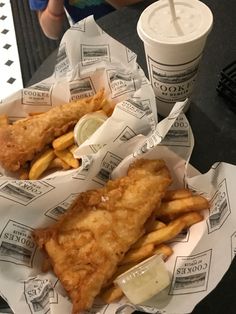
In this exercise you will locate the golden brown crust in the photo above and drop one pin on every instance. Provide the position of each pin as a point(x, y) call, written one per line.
point(21, 141)
point(88, 242)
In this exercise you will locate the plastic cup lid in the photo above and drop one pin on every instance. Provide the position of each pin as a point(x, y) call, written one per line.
point(194, 21)
point(87, 125)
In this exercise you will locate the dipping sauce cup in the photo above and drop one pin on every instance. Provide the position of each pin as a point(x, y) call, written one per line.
point(173, 48)
point(143, 281)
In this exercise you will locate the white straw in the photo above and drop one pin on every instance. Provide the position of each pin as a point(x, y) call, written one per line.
point(172, 9)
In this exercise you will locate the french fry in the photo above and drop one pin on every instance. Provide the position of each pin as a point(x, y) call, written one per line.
point(149, 222)
point(108, 107)
point(162, 235)
point(137, 255)
point(63, 141)
point(38, 155)
point(41, 164)
point(31, 114)
point(59, 164)
point(172, 195)
point(3, 120)
point(191, 218)
point(163, 249)
point(73, 148)
point(111, 294)
point(154, 225)
point(172, 209)
point(67, 157)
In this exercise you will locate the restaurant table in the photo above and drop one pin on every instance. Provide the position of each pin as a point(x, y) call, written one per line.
point(212, 121)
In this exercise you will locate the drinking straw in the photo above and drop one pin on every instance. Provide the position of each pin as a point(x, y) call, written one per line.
point(172, 9)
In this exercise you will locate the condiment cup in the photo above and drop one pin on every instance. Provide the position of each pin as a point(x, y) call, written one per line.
point(146, 279)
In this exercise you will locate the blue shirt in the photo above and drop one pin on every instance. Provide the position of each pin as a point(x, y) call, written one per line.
point(97, 8)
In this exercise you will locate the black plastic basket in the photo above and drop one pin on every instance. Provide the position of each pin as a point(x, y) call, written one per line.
point(227, 84)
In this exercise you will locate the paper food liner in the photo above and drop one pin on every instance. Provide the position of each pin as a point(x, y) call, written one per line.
point(89, 59)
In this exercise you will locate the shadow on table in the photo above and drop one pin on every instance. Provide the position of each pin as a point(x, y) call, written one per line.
point(211, 139)
point(221, 299)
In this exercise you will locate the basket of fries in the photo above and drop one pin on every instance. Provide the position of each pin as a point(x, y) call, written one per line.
point(76, 215)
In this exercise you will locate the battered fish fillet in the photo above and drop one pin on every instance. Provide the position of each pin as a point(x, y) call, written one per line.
point(87, 243)
point(21, 141)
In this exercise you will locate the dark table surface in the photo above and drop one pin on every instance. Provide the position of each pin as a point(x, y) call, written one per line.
point(212, 122)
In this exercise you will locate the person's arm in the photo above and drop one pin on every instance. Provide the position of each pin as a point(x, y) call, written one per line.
point(51, 18)
point(121, 3)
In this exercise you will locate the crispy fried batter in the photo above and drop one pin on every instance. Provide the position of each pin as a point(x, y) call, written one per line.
point(21, 141)
point(88, 242)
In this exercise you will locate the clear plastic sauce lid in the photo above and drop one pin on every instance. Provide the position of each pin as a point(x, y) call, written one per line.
point(87, 125)
point(143, 281)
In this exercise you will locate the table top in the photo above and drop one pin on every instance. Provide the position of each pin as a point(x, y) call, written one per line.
point(212, 122)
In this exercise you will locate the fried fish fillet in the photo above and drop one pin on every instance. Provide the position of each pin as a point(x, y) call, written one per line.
point(87, 243)
point(21, 141)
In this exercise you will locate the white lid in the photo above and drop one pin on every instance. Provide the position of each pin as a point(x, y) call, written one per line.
point(144, 280)
point(155, 25)
point(87, 125)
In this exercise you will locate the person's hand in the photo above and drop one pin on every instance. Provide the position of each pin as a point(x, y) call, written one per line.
point(51, 18)
point(56, 7)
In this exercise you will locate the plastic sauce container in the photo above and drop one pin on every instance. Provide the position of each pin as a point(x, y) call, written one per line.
point(143, 281)
point(87, 125)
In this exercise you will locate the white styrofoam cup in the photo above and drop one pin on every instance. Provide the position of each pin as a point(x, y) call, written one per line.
point(174, 48)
